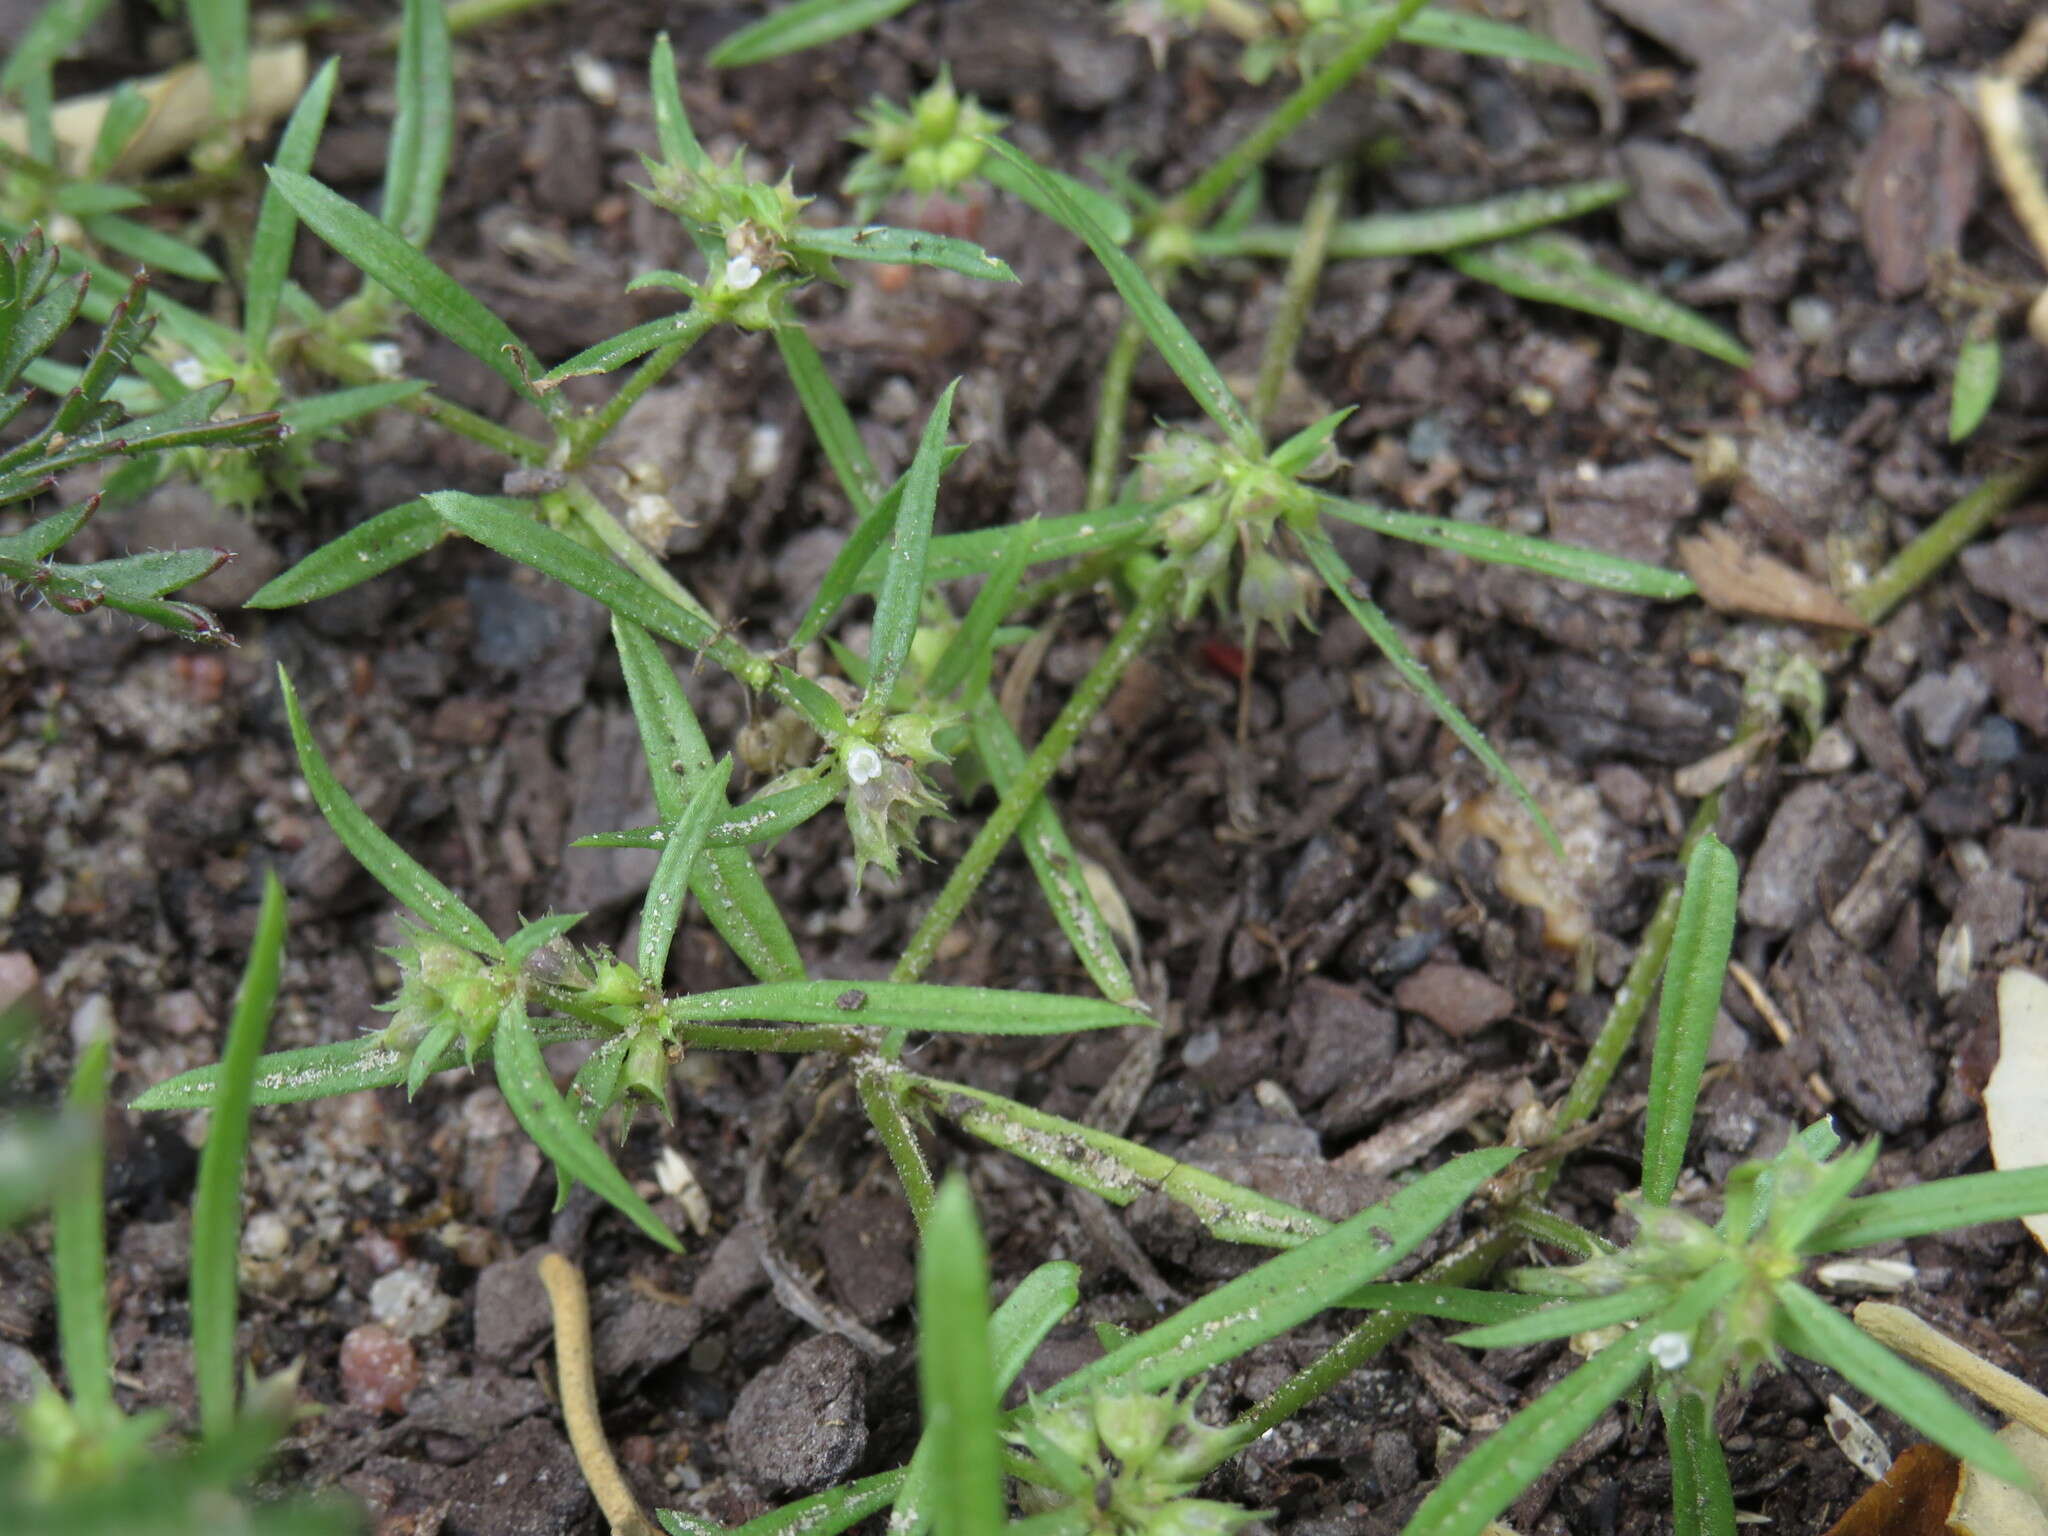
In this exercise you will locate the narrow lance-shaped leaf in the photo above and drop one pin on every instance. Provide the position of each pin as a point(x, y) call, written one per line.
point(1489, 1478)
point(1119, 1170)
point(1425, 231)
point(1500, 546)
point(217, 1205)
point(1693, 975)
point(849, 568)
point(760, 820)
point(1338, 577)
point(685, 325)
point(152, 248)
point(150, 575)
point(337, 407)
point(415, 281)
point(1180, 349)
point(79, 1247)
point(270, 247)
point(42, 539)
point(904, 247)
point(530, 1091)
point(905, 1005)
point(220, 28)
point(806, 24)
point(1943, 1206)
point(556, 554)
point(902, 595)
point(1455, 1303)
point(1974, 386)
point(830, 420)
point(727, 885)
point(1053, 860)
point(822, 1514)
point(663, 908)
point(369, 549)
point(1816, 1330)
point(391, 866)
point(1702, 1502)
point(423, 134)
point(539, 933)
point(956, 1378)
point(1110, 216)
point(1286, 1291)
point(672, 128)
point(1550, 270)
point(325, 1071)
point(1435, 27)
point(969, 647)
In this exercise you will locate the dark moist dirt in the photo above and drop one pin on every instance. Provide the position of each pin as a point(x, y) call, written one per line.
point(1351, 989)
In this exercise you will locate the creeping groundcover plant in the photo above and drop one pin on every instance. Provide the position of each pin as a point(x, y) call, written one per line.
point(1227, 514)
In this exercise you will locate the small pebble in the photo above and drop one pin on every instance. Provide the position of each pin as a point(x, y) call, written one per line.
point(379, 1370)
point(1812, 319)
point(265, 1236)
point(1457, 1000)
point(407, 1302)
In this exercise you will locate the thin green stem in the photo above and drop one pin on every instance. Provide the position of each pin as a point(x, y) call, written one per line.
point(602, 524)
point(80, 1249)
point(1105, 456)
point(899, 1139)
point(1078, 577)
point(1533, 1221)
point(342, 365)
point(1215, 184)
point(587, 432)
point(1632, 997)
point(1467, 1266)
point(1304, 272)
point(1943, 540)
point(1139, 626)
point(1478, 1257)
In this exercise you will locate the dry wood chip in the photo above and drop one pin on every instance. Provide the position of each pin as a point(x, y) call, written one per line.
point(1737, 579)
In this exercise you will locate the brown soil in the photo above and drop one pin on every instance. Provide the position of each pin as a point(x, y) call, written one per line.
point(1319, 907)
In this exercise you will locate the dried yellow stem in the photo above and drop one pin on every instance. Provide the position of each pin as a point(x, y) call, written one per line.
point(1905, 1333)
point(578, 1384)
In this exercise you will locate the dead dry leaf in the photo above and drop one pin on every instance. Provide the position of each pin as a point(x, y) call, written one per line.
point(1912, 1500)
point(1990, 1506)
point(2016, 1097)
point(1736, 579)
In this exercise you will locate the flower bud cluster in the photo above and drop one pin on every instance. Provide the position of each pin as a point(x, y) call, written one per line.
point(934, 147)
point(1223, 503)
point(887, 792)
point(1131, 1461)
point(445, 992)
point(1770, 1213)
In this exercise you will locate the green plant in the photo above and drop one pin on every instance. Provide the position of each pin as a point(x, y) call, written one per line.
point(89, 424)
point(1689, 1302)
point(75, 1464)
point(1235, 522)
point(1115, 1447)
point(319, 369)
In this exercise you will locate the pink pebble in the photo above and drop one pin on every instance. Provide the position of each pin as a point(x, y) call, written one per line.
point(379, 1369)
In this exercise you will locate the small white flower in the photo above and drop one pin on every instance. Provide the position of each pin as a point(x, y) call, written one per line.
point(741, 273)
point(189, 372)
point(385, 359)
point(1671, 1350)
point(863, 765)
